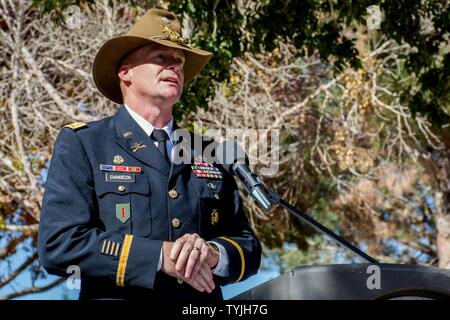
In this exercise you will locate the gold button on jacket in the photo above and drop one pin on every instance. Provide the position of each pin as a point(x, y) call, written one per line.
point(173, 193)
point(176, 223)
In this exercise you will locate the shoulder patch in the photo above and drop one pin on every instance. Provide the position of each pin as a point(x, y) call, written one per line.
point(75, 125)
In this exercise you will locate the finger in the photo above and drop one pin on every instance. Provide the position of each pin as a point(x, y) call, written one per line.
point(183, 256)
point(194, 256)
point(194, 284)
point(192, 262)
point(203, 257)
point(177, 246)
point(207, 275)
point(204, 282)
point(185, 252)
point(205, 253)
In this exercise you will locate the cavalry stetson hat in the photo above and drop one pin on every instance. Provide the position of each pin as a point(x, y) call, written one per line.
point(156, 26)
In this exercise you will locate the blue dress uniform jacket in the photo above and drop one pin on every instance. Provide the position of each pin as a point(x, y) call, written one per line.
point(112, 224)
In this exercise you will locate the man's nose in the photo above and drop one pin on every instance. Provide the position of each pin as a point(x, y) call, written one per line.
point(174, 65)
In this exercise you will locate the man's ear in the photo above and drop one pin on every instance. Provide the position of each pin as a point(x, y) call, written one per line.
point(124, 73)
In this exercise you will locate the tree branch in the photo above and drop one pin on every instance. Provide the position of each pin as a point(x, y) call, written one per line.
point(33, 290)
point(33, 228)
point(11, 247)
point(13, 275)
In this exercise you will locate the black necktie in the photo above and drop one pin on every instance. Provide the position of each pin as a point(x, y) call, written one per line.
point(160, 136)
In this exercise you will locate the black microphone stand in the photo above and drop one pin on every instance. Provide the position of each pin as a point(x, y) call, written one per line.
point(277, 199)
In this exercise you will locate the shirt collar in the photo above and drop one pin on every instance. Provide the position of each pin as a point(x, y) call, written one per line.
point(146, 125)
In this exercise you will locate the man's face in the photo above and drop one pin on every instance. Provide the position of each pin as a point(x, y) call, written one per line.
point(154, 72)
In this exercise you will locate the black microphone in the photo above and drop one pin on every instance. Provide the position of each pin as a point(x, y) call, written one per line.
point(234, 160)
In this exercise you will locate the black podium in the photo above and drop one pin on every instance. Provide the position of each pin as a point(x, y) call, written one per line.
point(355, 282)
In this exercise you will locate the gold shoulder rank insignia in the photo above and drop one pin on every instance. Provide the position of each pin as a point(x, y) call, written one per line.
point(75, 125)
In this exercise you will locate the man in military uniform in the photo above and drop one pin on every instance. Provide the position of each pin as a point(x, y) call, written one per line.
point(116, 205)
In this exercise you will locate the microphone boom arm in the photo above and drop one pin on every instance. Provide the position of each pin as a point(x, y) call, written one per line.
point(277, 199)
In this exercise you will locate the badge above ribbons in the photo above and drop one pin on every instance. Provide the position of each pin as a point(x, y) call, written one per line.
point(123, 212)
point(118, 159)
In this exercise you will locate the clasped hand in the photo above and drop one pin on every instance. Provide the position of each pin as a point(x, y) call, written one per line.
point(190, 258)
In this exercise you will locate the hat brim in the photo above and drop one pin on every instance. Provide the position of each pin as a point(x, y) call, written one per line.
point(106, 62)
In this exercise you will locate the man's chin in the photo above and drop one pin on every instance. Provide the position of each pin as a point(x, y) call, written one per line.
point(175, 90)
point(172, 94)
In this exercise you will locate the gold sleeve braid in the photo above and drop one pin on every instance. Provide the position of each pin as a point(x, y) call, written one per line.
point(122, 267)
point(241, 253)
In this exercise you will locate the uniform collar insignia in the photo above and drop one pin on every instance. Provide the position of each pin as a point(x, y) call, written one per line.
point(127, 134)
point(138, 146)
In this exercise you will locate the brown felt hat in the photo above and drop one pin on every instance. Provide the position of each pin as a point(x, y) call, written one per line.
point(156, 26)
